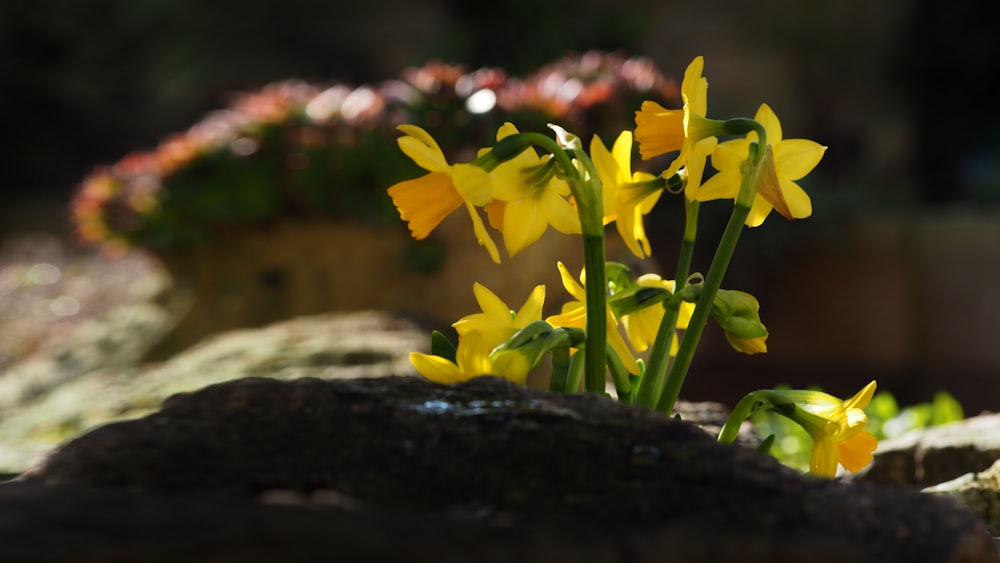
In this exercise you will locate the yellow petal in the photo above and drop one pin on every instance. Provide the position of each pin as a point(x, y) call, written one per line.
point(765, 115)
point(857, 451)
point(523, 224)
point(532, 309)
point(570, 283)
point(472, 183)
point(425, 201)
point(799, 204)
point(759, 211)
point(482, 235)
point(436, 368)
point(694, 87)
point(420, 147)
point(658, 130)
point(560, 213)
point(823, 457)
point(491, 305)
point(795, 158)
point(725, 184)
point(861, 399)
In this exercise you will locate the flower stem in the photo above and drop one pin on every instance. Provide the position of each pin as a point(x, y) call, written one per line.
point(747, 406)
point(652, 382)
point(560, 369)
point(717, 270)
point(596, 322)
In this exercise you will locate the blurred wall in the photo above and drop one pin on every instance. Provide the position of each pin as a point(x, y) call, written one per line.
point(893, 274)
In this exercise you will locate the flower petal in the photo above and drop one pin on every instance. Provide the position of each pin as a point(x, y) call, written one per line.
point(799, 204)
point(419, 146)
point(425, 201)
point(857, 451)
point(523, 224)
point(436, 368)
point(795, 158)
point(482, 235)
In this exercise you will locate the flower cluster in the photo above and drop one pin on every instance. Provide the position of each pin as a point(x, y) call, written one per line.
point(277, 152)
point(526, 182)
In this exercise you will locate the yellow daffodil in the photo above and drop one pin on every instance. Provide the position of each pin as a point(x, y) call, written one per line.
point(425, 201)
point(472, 359)
point(627, 196)
point(836, 427)
point(793, 159)
point(641, 327)
point(659, 130)
point(478, 335)
point(528, 197)
point(574, 314)
point(498, 322)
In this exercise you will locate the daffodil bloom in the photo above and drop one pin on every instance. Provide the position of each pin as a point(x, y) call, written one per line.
point(425, 201)
point(497, 322)
point(628, 196)
point(528, 196)
point(574, 314)
point(478, 335)
point(472, 359)
point(659, 130)
point(641, 327)
point(837, 428)
point(793, 159)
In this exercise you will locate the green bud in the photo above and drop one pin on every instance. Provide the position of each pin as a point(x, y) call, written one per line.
point(736, 313)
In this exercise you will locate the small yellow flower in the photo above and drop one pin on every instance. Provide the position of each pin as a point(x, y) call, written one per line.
point(642, 326)
point(527, 198)
point(574, 314)
point(793, 159)
point(659, 130)
point(478, 335)
point(425, 201)
point(628, 196)
point(836, 427)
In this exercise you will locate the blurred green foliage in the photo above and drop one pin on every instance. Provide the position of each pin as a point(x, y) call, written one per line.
point(886, 419)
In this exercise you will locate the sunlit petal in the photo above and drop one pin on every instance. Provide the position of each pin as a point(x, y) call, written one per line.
point(425, 201)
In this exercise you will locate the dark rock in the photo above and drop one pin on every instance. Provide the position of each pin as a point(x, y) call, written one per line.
point(399, 469)
point(929, 456)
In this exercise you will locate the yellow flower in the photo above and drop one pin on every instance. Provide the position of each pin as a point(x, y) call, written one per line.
point(425, 201)
point(574, 314)
point(642, 326)
point(478, 335)
point(498, 322)
point(659, 130)
point(836, 427)
point(528, 197)
point(627, 196)
point(793, 159)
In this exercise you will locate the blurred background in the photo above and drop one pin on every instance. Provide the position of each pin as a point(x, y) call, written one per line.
point(894, 277)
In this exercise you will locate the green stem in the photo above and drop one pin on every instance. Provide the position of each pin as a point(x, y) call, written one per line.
point(743, 410)
point(652, 382)
point(560, 369)
point(702, 310)
point(590, 205)
point(575, 375)
point(720, 262)
point(596, 320)
point(620, 376)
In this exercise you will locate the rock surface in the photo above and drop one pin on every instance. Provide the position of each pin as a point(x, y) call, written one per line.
point(929, 456)
point(399, 469)
point(979, 491)
point(50, 399)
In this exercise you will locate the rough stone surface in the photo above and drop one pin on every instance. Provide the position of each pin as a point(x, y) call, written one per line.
point(979, 491)
point(48, 400)
point(926, 457)
point(399, 469)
